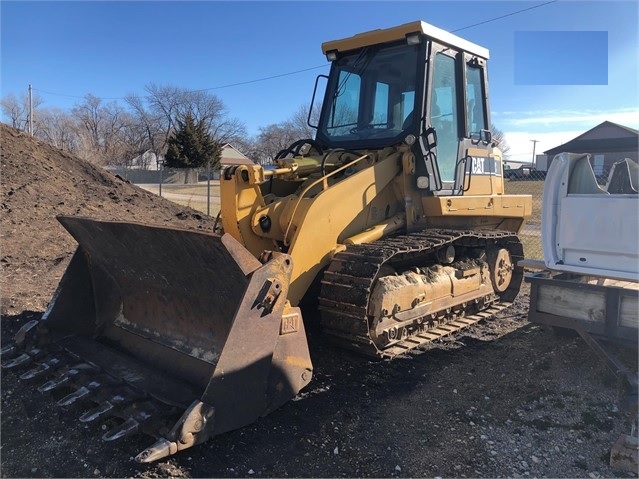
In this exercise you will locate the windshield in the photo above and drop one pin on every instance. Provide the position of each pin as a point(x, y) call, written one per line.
point(370, 96)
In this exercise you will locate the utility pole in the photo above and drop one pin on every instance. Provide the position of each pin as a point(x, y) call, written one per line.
point(208, 188)
point(534, 160)
point(160, 163)
point(30, 110)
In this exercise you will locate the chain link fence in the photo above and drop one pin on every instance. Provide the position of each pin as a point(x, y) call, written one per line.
point(165, 176)
point(532, 184)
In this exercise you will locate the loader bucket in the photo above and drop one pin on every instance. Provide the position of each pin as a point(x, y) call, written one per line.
point(149, 321)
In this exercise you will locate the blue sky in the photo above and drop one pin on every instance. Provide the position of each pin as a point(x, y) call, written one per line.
point(112, 49)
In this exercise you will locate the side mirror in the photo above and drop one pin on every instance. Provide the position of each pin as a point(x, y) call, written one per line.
point(310, 110)
point(430, 137)
point(485, 136)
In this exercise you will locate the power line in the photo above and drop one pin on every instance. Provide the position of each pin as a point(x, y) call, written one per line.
point(202, 89)
point(74, 96)
point(262, 79)
point(311, 68)
point(503, 16)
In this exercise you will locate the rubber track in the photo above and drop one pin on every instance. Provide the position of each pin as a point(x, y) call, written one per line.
point(348, 283)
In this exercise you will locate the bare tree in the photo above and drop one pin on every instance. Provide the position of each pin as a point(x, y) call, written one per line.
point(89, 118)
point(17, 110)
point(133, 142)
point(57, 128)
point(14, 111)
point(500, 139)
point(113, 134)
point(299, 121)
point(150, 126)
point(215, 116)
point(273, 138)
point(163, 103)
point(249, 147)
point(101, 130)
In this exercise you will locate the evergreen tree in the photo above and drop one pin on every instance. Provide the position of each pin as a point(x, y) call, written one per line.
point(191, 146)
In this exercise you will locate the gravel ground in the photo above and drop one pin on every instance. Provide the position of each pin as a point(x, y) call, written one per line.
point(507, 399)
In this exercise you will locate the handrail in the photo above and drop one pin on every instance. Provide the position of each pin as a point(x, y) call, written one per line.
point(324, 182)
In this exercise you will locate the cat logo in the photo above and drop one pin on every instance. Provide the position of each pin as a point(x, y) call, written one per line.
point(484, 165)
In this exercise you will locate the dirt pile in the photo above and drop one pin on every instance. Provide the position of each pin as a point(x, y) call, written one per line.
point(38, 183)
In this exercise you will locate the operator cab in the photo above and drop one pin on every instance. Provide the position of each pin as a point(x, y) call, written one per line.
point(416, 84)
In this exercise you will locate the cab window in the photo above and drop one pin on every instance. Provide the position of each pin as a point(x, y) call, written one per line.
point(444, 116)
point(475, 110)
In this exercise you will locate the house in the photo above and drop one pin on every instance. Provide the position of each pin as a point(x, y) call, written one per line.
point(232, 156)
point(607, 143)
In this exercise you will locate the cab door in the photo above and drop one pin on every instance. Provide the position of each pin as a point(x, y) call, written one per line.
point(445, 113)
point(479, 170)
point(458, 111)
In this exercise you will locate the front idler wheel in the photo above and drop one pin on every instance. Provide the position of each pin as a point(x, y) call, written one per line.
point(501, 269)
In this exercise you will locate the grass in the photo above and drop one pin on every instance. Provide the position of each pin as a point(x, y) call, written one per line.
point(532, 246)
point(198, 190)
point(199, 206)
point(193, 196)
point(524, 187)
point(533, 188)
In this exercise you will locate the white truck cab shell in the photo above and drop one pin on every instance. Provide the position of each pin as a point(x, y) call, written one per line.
point(586, 229)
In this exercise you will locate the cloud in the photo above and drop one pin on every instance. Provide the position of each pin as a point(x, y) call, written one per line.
point(551, 128)
point(521, 144)
point(571, 119)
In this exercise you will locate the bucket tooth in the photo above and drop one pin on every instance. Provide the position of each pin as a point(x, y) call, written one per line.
point(162, 448)
point(128, 427)
point(69, 375)
point(79, 394)
point(26, 333)
point(191, 429)
point(9, 351)
point(119, 398)
point(96, 413)
point(42, 368)
point(74, 396)
point(54, 383)
point(24, 358)
point(59, 381)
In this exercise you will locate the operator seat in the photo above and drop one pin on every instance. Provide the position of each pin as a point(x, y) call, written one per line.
point(408, 122)
point(434, 112)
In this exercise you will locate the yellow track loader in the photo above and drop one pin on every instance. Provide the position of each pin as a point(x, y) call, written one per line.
point(393, 220)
